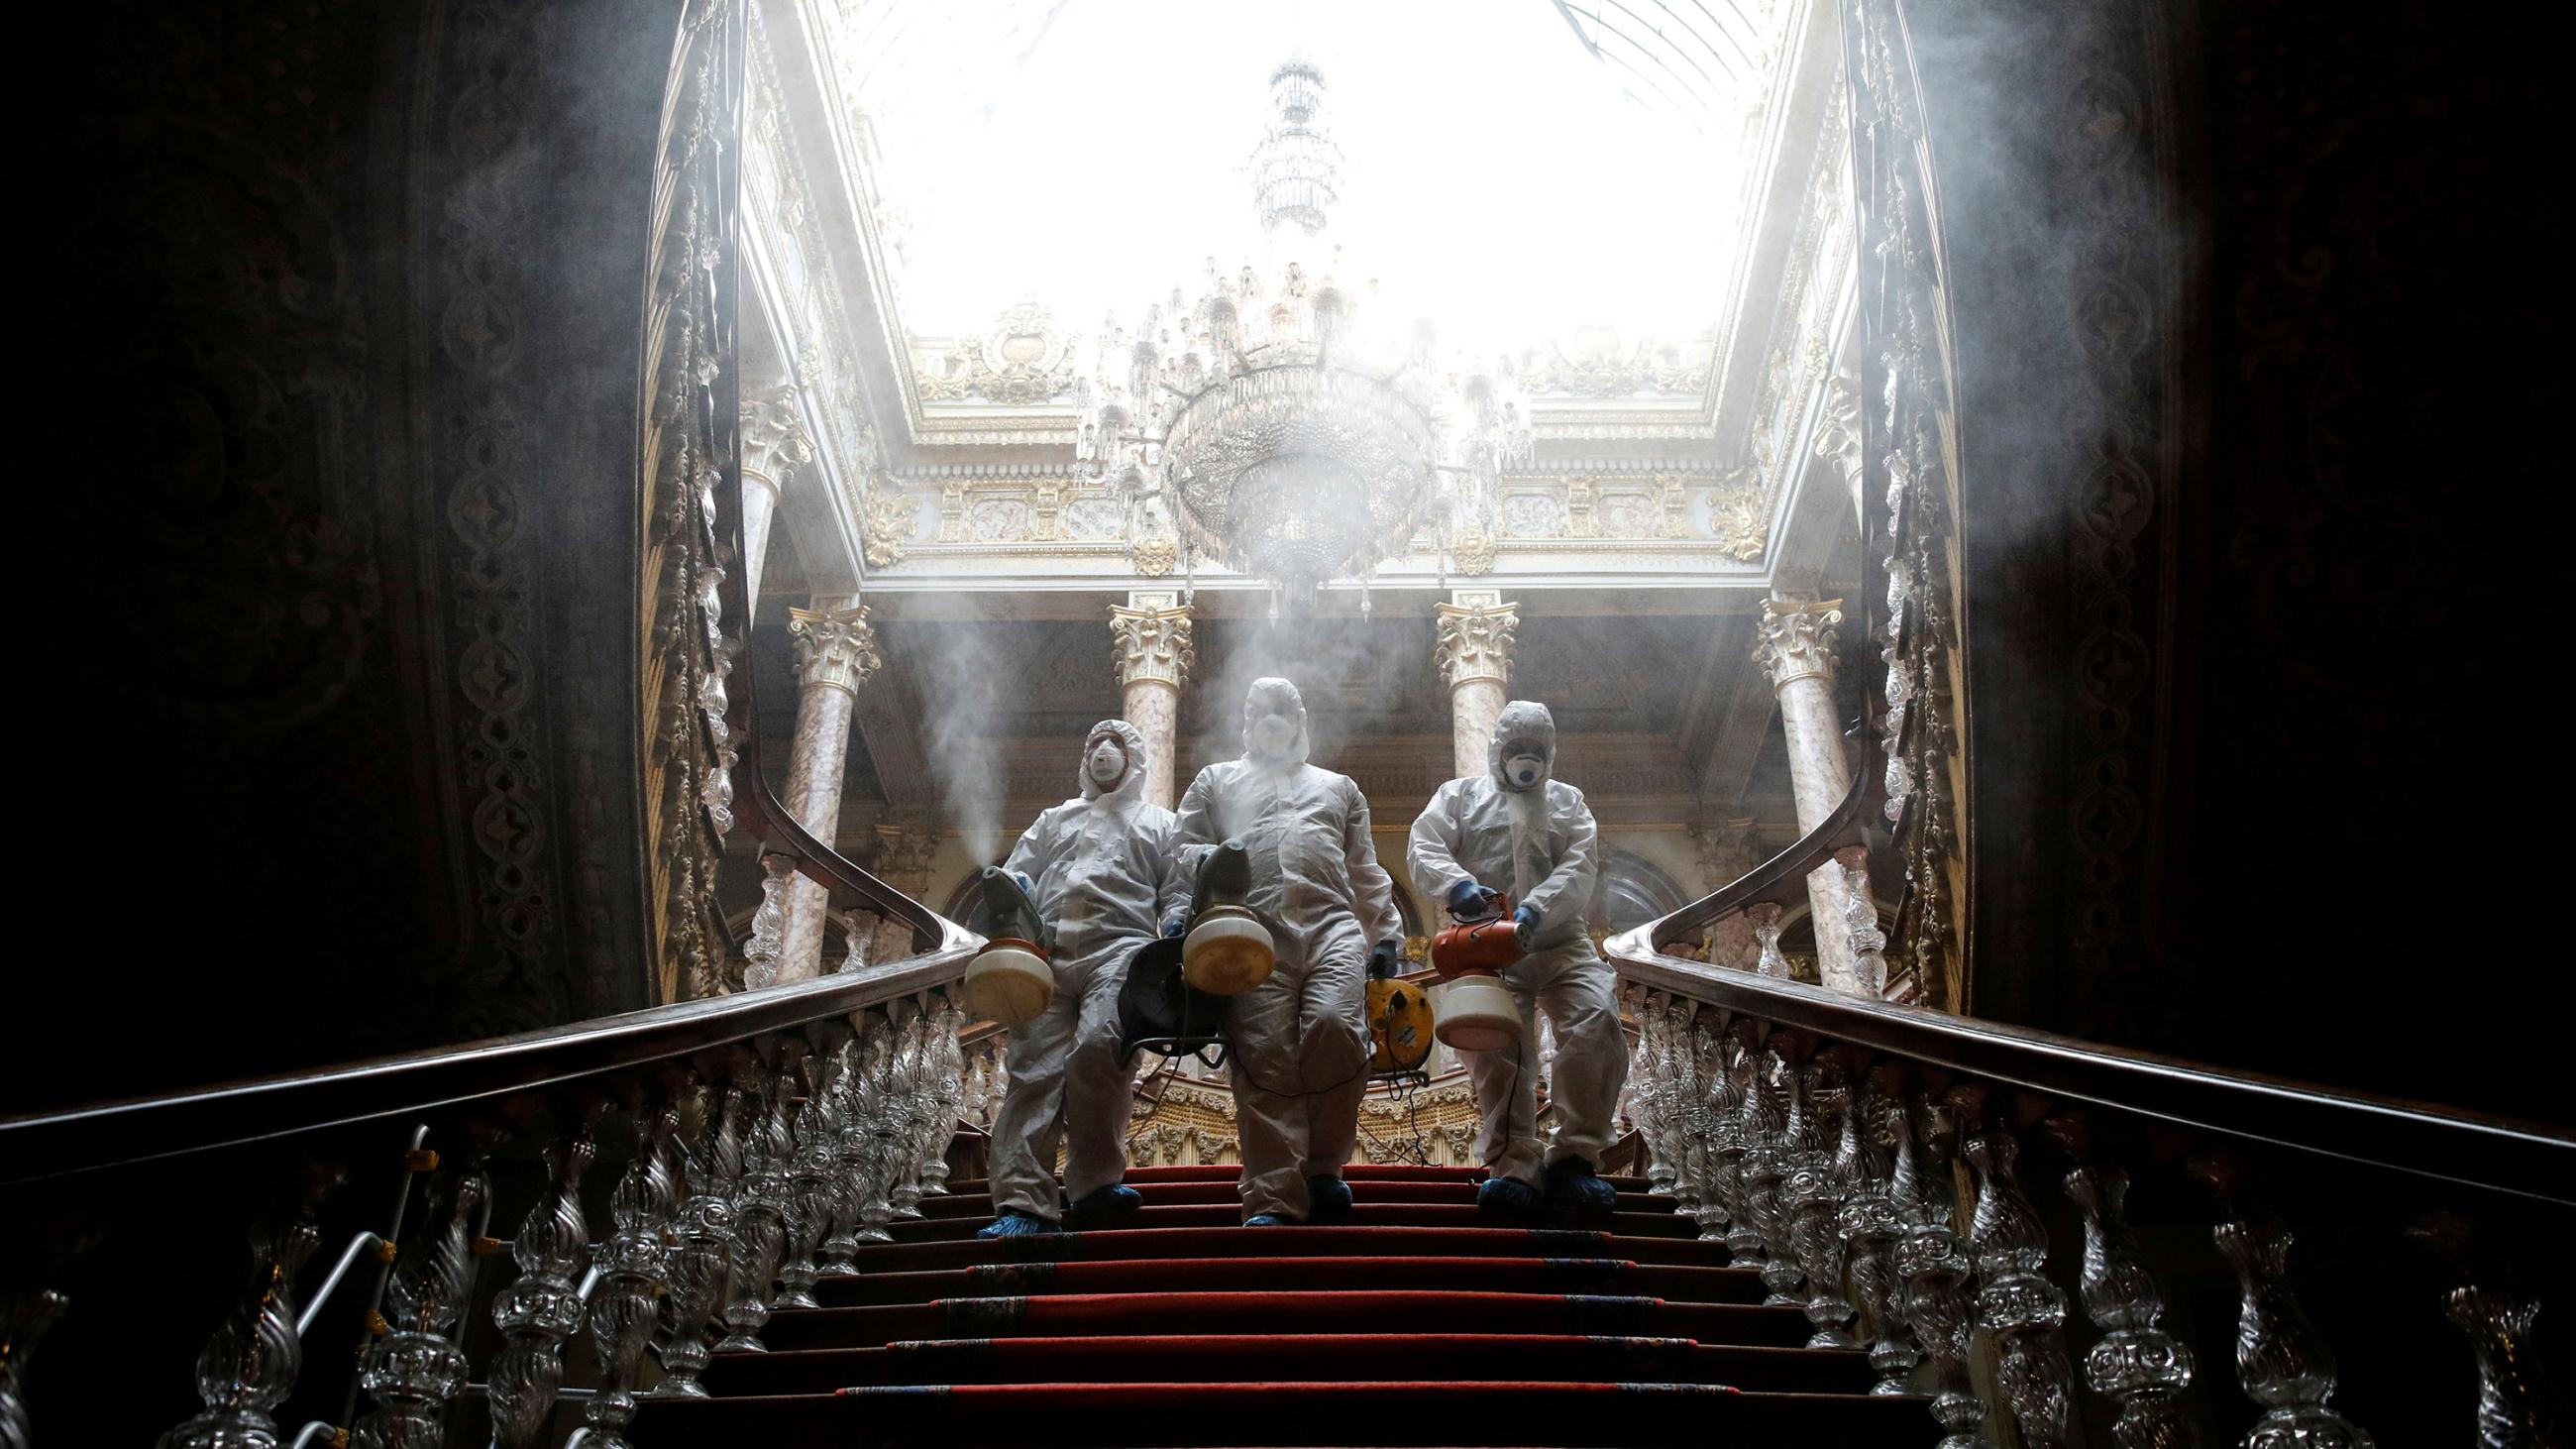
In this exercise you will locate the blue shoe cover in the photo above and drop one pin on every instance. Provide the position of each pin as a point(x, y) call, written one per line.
point(1328, 1199)
point(1115, 1200)
point(1571, 1184)
point(1016, 1225)
point(1266, 1220)
point(1506, 1197)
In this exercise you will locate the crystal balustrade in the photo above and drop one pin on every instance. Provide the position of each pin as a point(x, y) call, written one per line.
point(557, 1250)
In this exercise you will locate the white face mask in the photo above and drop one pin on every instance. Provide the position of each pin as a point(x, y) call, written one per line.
point(1272, 735)
point(1107, 763)
point(1524, 771)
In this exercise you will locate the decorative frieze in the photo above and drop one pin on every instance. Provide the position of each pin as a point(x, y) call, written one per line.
point(1022, 360)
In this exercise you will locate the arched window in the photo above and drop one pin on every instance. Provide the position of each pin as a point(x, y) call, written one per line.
point(1633, 891)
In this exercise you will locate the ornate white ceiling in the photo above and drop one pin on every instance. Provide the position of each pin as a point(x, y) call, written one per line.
point(1505, 175)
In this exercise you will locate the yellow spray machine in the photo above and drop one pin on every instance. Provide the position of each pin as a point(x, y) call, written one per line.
point(1010, 980)
point(1400, 1024)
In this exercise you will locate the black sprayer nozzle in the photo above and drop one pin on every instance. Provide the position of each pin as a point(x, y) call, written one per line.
point(1006, 909)
point(1224, 878)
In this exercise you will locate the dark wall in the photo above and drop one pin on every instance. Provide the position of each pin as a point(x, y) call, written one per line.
point(2244, 295)
point(335, 632)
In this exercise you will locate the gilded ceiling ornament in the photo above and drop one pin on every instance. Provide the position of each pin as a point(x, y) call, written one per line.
point(886, 524)
point(1020, 361)
point(1676, 504)
point(1474, 551)
point(1613, 367)
point(1155, 556)
point(1838, 433)
point(1736, 517)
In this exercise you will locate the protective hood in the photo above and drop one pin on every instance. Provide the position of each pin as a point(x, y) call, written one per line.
point(1275, 696)
point(1523, 719)
point(1131, 786)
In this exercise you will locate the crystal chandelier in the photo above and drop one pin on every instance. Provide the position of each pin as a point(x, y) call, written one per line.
point(1269, 422)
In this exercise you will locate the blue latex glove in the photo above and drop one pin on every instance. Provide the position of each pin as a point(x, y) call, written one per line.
point(1386, 959)
point(1470, 897)
point(1175, 923)
point(1524, 925)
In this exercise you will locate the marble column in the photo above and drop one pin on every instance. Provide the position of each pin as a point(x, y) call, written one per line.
point(774, 445)
point(836, 652)
point(1794, 646)
point(1474, 651)
point(1149, 643)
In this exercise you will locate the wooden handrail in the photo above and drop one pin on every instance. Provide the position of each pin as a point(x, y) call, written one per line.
point(2498, 1154)
point(141, 1129)
point(1783, 877)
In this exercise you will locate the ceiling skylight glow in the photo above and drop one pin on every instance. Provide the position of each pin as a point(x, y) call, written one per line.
point(1092, 154)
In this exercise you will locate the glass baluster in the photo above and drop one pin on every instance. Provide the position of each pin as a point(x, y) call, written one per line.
point(543, 1307)
point(414, 1369)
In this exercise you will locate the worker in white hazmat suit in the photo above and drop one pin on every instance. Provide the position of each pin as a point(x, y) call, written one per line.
point(1103, 871)
point(1298, 1043)
point(1515, 829)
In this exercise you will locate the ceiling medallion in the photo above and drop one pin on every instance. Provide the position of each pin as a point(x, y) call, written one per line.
point(1270, 423)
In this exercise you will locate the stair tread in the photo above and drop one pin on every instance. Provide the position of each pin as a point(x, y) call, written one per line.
point(1363, 1214)
point(1349, 1357)
point(1295, 1240)
point(1356, 1172)
point(1282, 1312)
point(1272, 1412)
point(979, 1203)
point(1570, 1274)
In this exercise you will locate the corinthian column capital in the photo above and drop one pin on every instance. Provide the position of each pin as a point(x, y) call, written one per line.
point(1474, 639)
point(1149, 640)
point(774, 440)
point(835, 648)
point(1795, 639)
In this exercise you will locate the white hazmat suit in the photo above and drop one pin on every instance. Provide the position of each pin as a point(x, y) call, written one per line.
point(1538, 843)
point(1299, 1041)
point(1106, 875)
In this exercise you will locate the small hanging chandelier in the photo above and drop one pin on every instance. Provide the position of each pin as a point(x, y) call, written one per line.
point(1269, 423)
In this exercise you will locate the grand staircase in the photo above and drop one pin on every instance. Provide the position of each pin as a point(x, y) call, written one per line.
point(1417, 1322)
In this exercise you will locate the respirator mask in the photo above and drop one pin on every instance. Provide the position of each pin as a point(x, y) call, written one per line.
point(1524, 764)
point(1272, 736)
point(1106, 762)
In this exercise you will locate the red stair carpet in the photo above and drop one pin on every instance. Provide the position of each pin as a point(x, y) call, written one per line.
point(1415, 1323)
